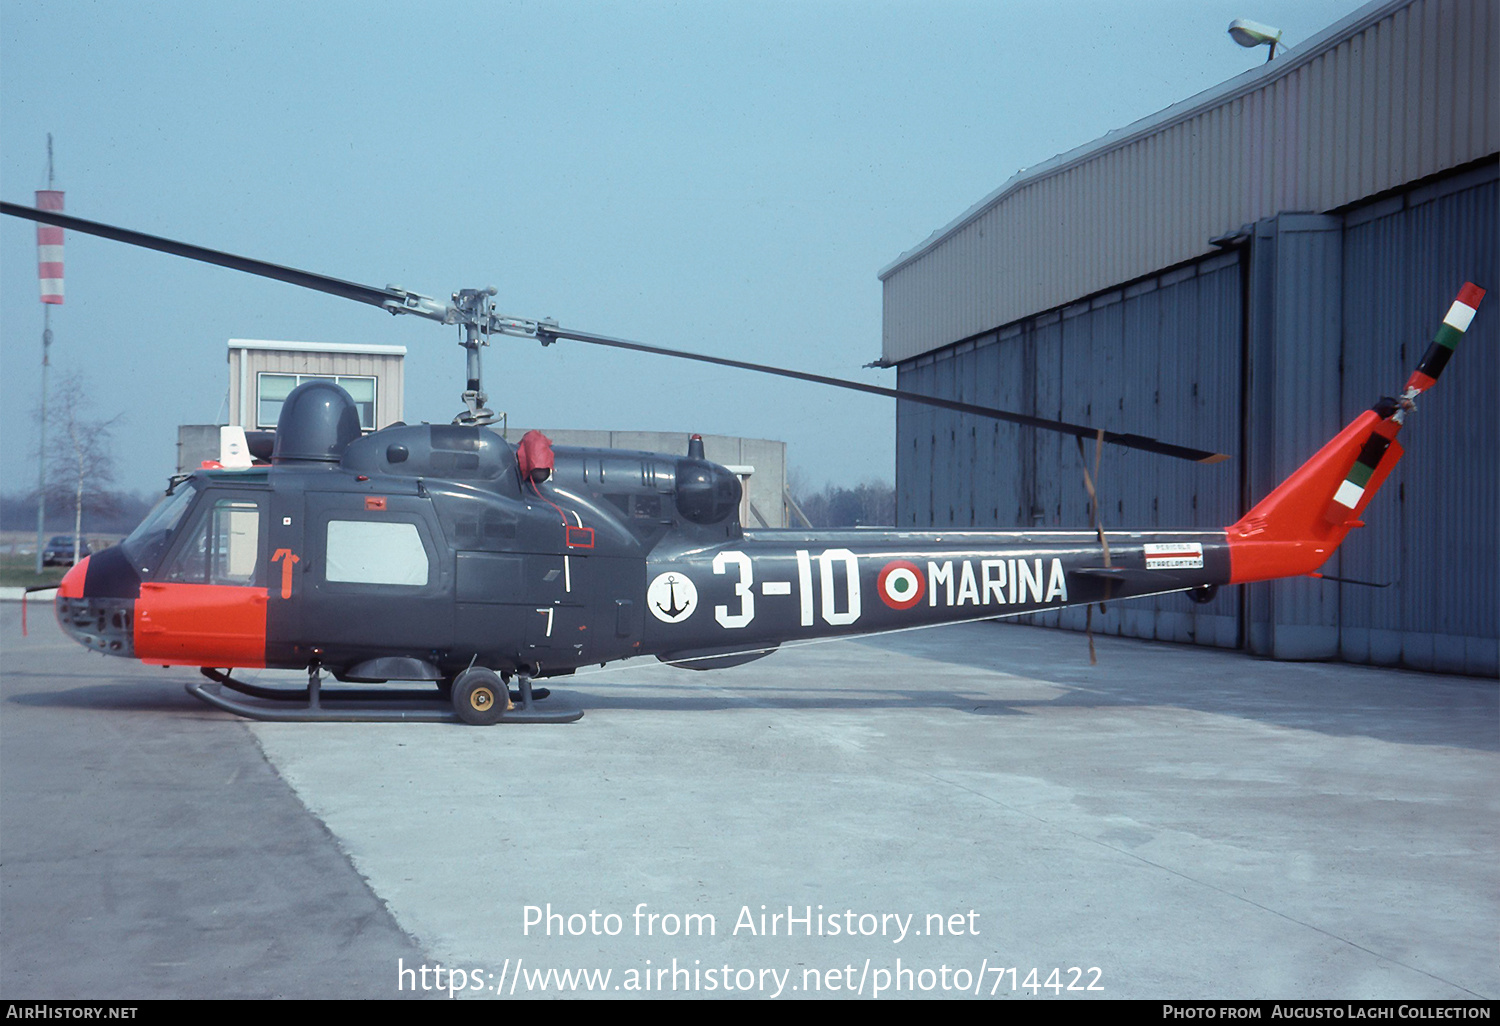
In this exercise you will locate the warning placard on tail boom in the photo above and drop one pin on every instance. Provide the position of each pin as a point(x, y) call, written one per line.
point(1174, 556)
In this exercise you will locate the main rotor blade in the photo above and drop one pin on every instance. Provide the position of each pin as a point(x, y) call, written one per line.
point(1130, 441)
point(398, 301)
point(306, 279)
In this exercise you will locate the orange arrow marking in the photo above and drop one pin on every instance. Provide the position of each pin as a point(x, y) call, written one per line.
point(287, 559)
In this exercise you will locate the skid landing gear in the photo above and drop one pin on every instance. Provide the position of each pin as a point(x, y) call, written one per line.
point(371, 705)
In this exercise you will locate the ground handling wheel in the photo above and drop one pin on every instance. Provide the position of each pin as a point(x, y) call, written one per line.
point(480, 697)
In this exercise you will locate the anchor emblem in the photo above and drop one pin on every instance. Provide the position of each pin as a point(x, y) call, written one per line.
point(672, 597)
point(674, 610)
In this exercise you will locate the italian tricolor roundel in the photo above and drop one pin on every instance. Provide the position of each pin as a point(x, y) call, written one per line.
point(901, 585)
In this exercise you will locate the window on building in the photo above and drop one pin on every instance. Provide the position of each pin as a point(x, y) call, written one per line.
point(272, 390)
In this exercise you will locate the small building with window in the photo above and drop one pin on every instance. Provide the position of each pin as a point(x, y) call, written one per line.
point(262, 374)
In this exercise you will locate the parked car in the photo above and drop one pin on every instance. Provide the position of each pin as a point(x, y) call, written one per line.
point(59, 550)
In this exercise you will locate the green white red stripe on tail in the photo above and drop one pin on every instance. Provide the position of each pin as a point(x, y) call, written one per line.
point(1346, 499)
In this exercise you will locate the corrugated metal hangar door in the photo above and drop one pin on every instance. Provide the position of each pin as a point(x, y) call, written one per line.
point(1160, 358)
point(1262, 352)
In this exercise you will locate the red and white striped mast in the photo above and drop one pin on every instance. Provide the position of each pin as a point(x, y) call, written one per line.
point(49, 265)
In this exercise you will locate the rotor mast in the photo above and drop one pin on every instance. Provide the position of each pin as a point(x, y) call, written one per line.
point(474, 305)
point(474, 311)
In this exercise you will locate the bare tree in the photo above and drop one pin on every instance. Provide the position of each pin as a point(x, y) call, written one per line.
point(80, 470)
point(869, 504)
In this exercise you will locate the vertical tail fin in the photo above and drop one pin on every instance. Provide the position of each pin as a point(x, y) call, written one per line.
point(1298, 526)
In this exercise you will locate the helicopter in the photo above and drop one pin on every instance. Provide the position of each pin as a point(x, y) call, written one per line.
point(442, 554)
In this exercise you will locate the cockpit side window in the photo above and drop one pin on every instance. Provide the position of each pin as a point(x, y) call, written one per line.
point(221, 546)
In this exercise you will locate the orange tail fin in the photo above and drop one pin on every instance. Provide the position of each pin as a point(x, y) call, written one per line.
point(1298, 526)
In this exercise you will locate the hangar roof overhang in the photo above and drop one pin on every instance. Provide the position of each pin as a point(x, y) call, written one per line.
point(1397, 91)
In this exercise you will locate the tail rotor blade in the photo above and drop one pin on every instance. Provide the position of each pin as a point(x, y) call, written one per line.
point(1443, 344)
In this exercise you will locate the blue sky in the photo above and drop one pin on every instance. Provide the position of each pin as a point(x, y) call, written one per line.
point(726, 177)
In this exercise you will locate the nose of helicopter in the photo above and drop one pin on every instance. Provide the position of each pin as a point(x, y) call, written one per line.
point(71, 585)
point(99, 618)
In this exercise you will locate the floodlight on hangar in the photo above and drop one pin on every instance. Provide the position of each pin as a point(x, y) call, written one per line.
point(1252, 34)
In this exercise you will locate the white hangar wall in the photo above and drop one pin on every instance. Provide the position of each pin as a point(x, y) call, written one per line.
point(1260, 346)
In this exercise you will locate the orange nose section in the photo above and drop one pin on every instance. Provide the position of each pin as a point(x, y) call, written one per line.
point(72, 582)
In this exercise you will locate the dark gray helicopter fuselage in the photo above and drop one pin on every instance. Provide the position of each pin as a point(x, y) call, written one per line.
point(424, 549)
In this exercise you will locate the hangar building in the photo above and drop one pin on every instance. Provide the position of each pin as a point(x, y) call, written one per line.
point(1244, 271)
